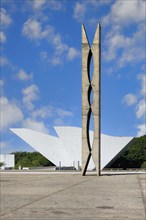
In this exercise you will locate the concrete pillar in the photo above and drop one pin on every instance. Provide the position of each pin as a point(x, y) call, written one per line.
point(93, 108)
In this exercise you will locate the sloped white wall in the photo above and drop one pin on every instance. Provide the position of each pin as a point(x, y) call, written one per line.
point(67, 146)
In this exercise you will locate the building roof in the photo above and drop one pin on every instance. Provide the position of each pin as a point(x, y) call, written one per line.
point(66, 148)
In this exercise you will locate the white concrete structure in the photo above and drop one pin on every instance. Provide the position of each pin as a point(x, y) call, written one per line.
point(66, 148)
point(8, 160)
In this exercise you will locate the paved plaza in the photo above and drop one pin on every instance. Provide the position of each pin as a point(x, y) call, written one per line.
point(69, 196)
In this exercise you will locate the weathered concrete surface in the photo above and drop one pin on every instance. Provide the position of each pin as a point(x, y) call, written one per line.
point(91, 107)
point(53, 197)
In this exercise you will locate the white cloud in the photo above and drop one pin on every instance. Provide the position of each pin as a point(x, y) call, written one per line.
point(4, 144)
point(79, 11)
point(10, 113)
point(35, 125)
point(5, 21)
point(60, 47)
point(1, 83)
point(125, 49)
point(55, 60)
point(3, 61)
point(141, 109)
point(2, 37)
point(55, 5)
point(72, 53)
point(115, 41)
point(105, 2)
point(143, 67)
point(36, 31)
point(133, 55)
point(22, 75)
point(58, 121)
point(142, 78)
point(129, 99)
point(33, 30)
point(141, 130)
point(93, 21)
point(1, 86)
point(133, 50)
point(140, 102)
point(57, 57)
point(43, 4)
point(51, 111)
point(125, 13)
point(43, 55)
point(37, 5)
point(82, 8)
point(5, 18)
point(36, 120)
point(93, 3)
point(63, 113)
point(44, 112)
point(30, 94)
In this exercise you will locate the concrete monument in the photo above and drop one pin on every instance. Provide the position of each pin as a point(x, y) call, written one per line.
point(65, 148)
point(91, 107)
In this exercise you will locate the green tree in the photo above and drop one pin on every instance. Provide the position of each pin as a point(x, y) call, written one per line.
point(30, 159)
point(134, 156)
point(2, 164)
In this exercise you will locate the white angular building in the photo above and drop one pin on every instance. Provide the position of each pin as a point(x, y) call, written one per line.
point(8, 160)
point(66, 148)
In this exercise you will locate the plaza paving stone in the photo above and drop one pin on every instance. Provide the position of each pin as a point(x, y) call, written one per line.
point(31, 196)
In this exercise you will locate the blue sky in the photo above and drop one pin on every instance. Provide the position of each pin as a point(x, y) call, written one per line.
point(41, 65)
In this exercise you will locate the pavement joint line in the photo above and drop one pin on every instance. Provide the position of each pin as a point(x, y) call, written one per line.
point(44, 197)
point(142, 193)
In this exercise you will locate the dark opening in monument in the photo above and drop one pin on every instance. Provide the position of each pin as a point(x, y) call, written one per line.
point(90, 127)
point(90, 95)
point(91, 66)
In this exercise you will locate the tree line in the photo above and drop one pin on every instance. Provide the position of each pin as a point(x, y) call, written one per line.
point(134, 156)
point(30, 159)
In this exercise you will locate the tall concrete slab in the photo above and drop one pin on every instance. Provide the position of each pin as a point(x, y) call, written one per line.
point(91, 107)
